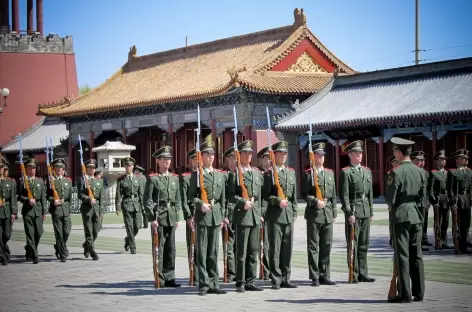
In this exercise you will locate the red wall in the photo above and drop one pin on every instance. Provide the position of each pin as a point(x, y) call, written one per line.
point(33, 78)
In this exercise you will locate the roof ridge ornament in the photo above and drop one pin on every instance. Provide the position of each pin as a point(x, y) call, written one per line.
point(300, 18)
point(132, 53)
point(234, 74)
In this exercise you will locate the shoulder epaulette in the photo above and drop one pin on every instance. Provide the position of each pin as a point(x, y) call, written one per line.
point(434, 170)
point(152, 175)
point(388, 172)
point(174, 174)
point(121, 176)
point(39, 178)
point(8, 178)
point(255, 168)
point(308, 170)
point(186, 174)
point(366, 167)
point(290, 168)
point(68, 178)
point(328, 170)
point(347, 167)
point(222, 171)
point(453, 169)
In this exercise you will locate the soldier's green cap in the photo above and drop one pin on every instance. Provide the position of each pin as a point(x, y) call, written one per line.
point(246, 146)
point(6, 164)
point(91, 163)
point(355, 146)
point(392, 159)
point(281, 146)
point(263, 152)
point(59, 162)
point(192, 153)
point(208, 147)
point(163, 152)
point(229, 152)
point(98, 170)
point(440, 155)
point(2, 163)
point(318, 148)
point(418, 155)
point(30, 163)
point(139, 168)
point(401, 143)
point(461, 153)
point(128, 161)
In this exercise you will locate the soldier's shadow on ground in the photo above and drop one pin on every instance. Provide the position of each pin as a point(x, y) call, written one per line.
point(328, 300)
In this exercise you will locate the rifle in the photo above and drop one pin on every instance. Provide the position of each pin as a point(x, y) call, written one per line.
point(455, 221)
point(155, 251)
point(275, 174)
point(239, 170)
point(261, 252)
point(192, 256)
point(198, 157)
point(392, 291)
point(352, 237)
point(29, 194)
point(437, 227)
point(84, 173)
point(225, 259)
point(55, 195)
point(314, 177)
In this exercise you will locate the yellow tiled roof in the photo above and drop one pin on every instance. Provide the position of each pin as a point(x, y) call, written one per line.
point(200, 71)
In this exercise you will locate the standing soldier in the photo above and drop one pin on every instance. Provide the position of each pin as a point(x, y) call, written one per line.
point(91, 208)
point(162, 202)
point(209, 218)
point(60, 208)
point(320, 216)
point(459, 188)
point(418, 158)
point(247, 218)
point(394, 163)
point(466, 165)
point(140, 173)
point(263, 156)
point(189, 209)
point(358, 205)
point(129, 198)
point(33, 210)
point(8, 211)
point(228, 155)
point(281, 214)
point(406, 187)
point(438, 198)
point(6, 168)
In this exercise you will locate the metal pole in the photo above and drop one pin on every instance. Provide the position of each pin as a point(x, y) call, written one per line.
point(417, 33)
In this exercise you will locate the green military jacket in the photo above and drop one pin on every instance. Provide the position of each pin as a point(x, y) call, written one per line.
point(8, 198)
point(425, 200)
point(406, 187)
point(356, 193)
point(129, 193)
point(458, 184)
point(253, 181)
point(38, 190)
point(271, 206)
point(188, 209)
point(142, 181)
point(437, 189)
point(215, 186)
point(230, 203)
point(162, 198)
point(327, 186)
point(63, 187)
point(98, 190)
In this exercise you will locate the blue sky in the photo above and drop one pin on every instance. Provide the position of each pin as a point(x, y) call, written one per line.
point(365, 34)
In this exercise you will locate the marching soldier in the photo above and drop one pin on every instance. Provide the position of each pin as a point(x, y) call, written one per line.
point(466, 165)
point(358, 205)
point(6, 168)
point(209, 218)
point(8, 211)
point(281, 214)
point(91, 208)
point(320, 216)
point(459, 191)
point(162, 203)
point(263, 155)
point(247, 218)
point(140, 173)
point(230, 158)
point(438, 197)
point(98, 173)
point(406, 187)
point(129, 198)
point(418, 158)
point(33, 211)
point(189, 208)
point(394, 163)
point(60, 209)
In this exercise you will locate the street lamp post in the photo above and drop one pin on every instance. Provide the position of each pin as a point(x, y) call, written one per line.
point(5, 93)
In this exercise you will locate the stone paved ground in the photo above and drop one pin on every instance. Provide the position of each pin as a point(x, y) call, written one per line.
point(124, 282)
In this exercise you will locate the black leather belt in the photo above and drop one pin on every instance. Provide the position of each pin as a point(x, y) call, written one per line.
point(130, 197)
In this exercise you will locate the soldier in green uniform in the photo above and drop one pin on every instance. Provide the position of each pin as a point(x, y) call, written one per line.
point(263, 156)
point(247, 217)
point(8, 211)
point(281, 212)
point(33, 211)
point(140, 172)
point(358, 205)
point(459, 191)
point(129, 199)
point(394, 163)
point(438, 196)
point(230, 158)
point(406, 187)
point(60, 208)
point(189, 209)
point(209, 219)
point(162, 203)
point(6, 168)
point(91, 208)
point(320, 214)
point(418, 158)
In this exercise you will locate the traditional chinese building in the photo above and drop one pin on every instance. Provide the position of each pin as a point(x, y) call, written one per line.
point(152, 99)
point(430, 104)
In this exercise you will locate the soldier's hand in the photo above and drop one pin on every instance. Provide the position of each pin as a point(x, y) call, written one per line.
point(44, 217)
point(206, 208)
point(32, 201)
point(117, 212)
point(352, 220)
point(190, 223)
point(93, 201)
point(222, 224)
point(101, 217)
point(370, 219)
point(154, 225)
point(13, 217)
point(226, 221)
point(57, 202)
point(262, 219)
point(284, 203)
point(320, 204)
point(248, 205)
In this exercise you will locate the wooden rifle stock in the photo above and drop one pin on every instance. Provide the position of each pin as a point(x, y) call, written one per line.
point(392, 291)
point(455, 222)
point(225, 274)
point(51, 184)
point(437, 227)
point(280, 191)
point(203, 192)
point(87, 185)
point(192, 256)
point(242, 184)
point(315, 177)
point(261, 252)
point(351, 252)
point(155, 256)
point(29, 194)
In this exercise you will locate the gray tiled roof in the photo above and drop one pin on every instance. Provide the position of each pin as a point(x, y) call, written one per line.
point(425, 91)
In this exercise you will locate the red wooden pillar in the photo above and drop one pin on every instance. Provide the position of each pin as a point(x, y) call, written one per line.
point(214, 138)
point(247, 132)
point(29, 14)
point(92, 139)
point(39, 16)
point(170, 132)
point(227, 139)
point(434, 142)
point(338, 162)
point(71, 160)
point(124, 135)
point(15, 16)
point(381, 166)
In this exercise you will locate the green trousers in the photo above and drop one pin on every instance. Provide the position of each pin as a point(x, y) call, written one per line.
point(145, 219)
point(5, 232)
point(319, 242)
point(92, 227)
point(361, 245)
point(208, 238)
point(424, 212)
point(409, 259)
point(247, 251)
point(265, 258)
point(231, 251)
point(166, 253)
point(280, 252)
point(132, 220)
point(188, 236)
point(33, 230)
point(62, 227)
